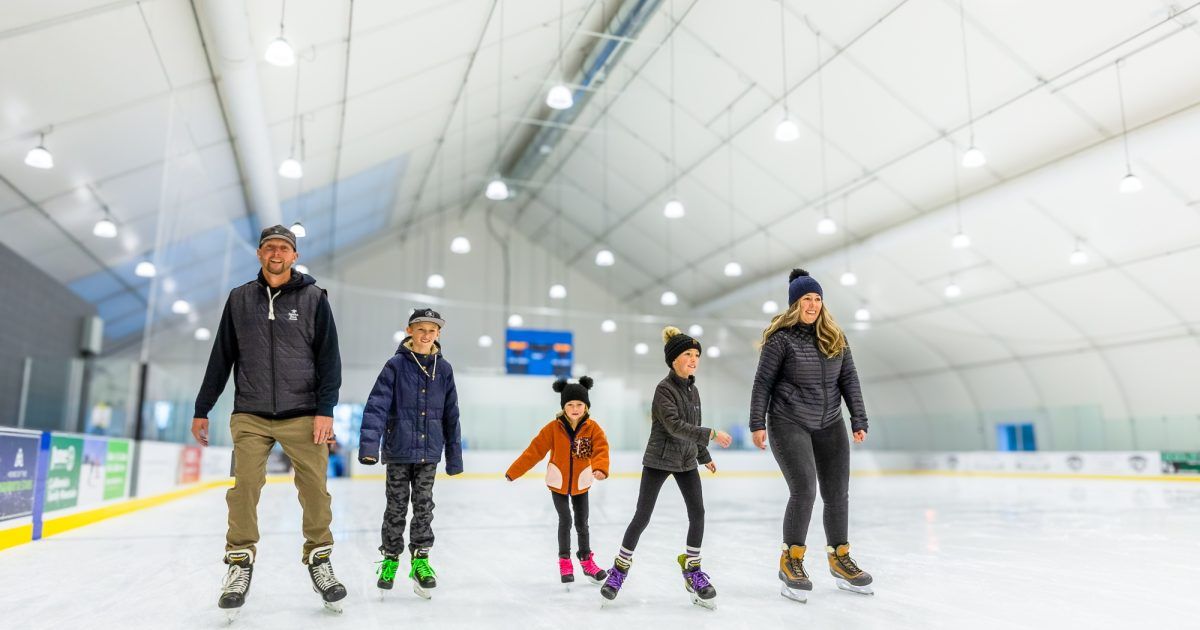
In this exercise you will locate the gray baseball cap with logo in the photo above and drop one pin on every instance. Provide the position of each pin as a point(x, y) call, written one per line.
point(279, 232)
point(426, 315)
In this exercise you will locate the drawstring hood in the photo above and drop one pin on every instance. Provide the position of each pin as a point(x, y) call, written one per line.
point(271, 303)
point(297, 281)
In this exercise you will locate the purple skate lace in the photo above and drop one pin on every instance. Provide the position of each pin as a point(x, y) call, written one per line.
point(616, 577)
point(698, 579)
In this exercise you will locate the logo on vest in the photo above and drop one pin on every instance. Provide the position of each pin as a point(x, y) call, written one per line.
point(292, 315)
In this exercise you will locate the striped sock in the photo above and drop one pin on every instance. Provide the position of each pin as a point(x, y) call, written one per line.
point(624, 559)
point(693, 556)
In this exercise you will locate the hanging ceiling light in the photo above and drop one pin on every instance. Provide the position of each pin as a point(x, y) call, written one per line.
point(826, 226)
point(952, 290)
point(301, 268)
point(291, 168)
point(862, 314)
point(674, 209)
point(105, 228)
point(398, 336)
point(1130, 183)
point(298, 229)
point(770, 307)
point(713, 352)
point(279, 51)
point(668, 298)
point(605, 258)
point(181, 307)
point(972, 157)
point(435, 281)
point(485, 341)
point(558, 292)
point(960, 241)
point(848, 278)
point(787, 130)
point(732, 269)
point(460, 245)
point(608, 326)
point(559, 97)
point(641, 348)
point(202, 334)
point(695, 330)
point(39, 156)
point(497, 190)
point(515, 321)
point(1079, 256)
point(145, 269)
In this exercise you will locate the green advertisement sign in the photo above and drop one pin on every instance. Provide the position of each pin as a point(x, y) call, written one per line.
point(62, 477)
point(116, 469)
point(1182, 461)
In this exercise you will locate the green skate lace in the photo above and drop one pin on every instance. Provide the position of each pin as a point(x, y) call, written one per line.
point(387, 569)
point(421, 568)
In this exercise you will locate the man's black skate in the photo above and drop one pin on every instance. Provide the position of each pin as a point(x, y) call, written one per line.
point(323, 579)
point(236, 584)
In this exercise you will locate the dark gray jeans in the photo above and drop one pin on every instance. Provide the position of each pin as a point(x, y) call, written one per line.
point(808, 459)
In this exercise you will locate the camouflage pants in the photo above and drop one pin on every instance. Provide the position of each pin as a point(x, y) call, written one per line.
point(405, 481)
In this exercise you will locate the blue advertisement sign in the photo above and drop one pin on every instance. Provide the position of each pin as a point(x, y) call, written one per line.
point(539, 352)
point(18, 470)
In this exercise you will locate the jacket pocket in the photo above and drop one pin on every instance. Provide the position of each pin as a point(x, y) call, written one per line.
point(585, 479)
point(554, 476)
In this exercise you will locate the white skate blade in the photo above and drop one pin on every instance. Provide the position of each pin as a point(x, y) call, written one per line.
point(861, 590)
point(231, 615)
point(421, 592)
point(708, 604)
point(794, 594)
point(333, 607)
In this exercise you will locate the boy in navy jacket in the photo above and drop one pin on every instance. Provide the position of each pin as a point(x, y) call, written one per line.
point(409, 419)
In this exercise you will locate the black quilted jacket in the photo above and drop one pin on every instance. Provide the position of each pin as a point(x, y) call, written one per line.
point(795, 382)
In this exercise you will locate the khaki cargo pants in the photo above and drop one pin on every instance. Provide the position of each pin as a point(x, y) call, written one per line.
point(253, 438)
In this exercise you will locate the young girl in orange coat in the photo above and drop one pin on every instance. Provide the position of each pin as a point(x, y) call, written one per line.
point(578, 454)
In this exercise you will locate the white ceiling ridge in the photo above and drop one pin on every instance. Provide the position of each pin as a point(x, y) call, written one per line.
point(236, 64)
point(67, 18)
point(860, 240)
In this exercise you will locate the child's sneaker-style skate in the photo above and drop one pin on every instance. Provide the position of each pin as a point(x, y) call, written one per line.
point(696, 582)
point(591, 569)
point(324, 581)
point(236, 584)
point(421, 574)
point(796, 584)
point(849, 576)
point(616, 577)
point(387, 571)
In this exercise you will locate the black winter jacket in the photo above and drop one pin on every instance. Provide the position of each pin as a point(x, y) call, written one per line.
point(795, 382)
point(677, 441)
point(283, 348)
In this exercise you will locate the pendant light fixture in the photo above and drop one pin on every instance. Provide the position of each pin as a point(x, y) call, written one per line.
point(39, 156)
point(960, 240)
point(291, 168)
point(279, 51)
point(733, 269)
point(973, 157)
point(787, 130)
point(826, 226)
point(497, 189)
point(1130, 182)
point(673, 209)
point(848, 278)
point(559, 96)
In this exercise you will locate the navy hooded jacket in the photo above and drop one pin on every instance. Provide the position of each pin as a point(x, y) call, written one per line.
point(412, 414)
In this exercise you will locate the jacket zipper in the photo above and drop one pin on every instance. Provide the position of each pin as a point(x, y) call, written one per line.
point(824, 386)
point(274, 383)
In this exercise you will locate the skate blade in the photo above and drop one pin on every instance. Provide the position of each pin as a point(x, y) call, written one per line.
point(707, 604)
point(421, 592)
point(794, 594)
point(231, 615)
point(597, 582)
point(333, 607)
point(861, 590)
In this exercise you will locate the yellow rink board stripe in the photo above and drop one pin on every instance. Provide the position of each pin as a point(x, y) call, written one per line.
point(767, 474)
point(23, 534)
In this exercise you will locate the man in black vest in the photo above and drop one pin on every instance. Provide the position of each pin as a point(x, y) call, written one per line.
point(278, 336)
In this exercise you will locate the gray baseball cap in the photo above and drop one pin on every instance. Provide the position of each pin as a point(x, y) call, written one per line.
point(426, 315)
point(277, 231)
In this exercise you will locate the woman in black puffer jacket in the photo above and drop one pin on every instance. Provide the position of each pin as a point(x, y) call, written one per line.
point(804, 373)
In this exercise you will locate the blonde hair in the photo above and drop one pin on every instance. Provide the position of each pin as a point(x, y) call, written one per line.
point(831, 340)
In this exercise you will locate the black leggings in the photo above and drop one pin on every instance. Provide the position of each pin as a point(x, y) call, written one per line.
point(808, 458)
point(693, 497)
point(580, 504)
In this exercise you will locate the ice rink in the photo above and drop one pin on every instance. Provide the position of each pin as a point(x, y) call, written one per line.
point(946, 552)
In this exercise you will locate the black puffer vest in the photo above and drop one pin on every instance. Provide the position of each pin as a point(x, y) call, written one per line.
point(276, 370)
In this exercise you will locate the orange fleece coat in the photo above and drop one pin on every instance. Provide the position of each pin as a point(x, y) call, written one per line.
point(572, 460)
